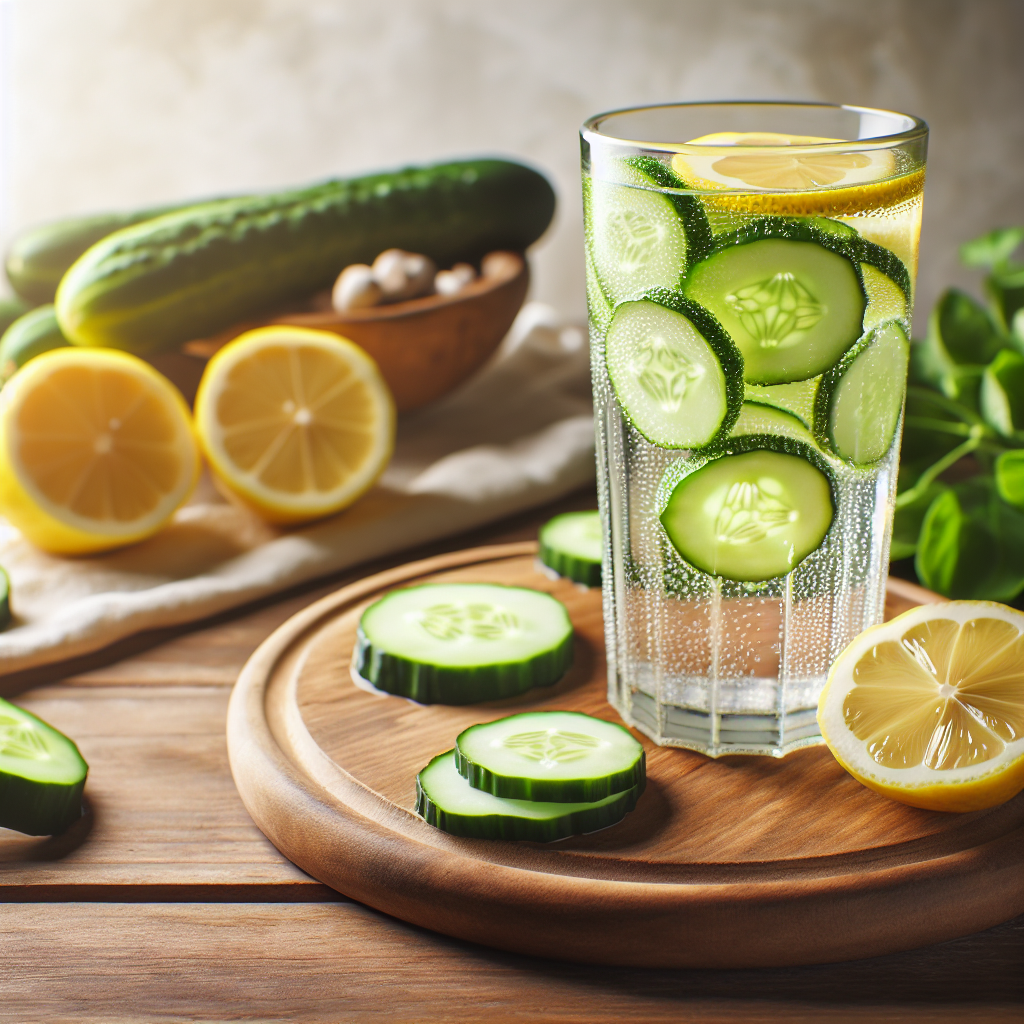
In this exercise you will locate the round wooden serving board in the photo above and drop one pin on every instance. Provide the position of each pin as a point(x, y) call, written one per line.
point(735, 862)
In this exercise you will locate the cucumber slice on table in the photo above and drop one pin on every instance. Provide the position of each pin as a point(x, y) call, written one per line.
point(445, 799)
point(753, 511)
point(638, 236)
point(859, 401)
point(459, 643)
point(573, 545)
point(42, 775)
point(563, 756)
point(676, 373)
point(787, 293)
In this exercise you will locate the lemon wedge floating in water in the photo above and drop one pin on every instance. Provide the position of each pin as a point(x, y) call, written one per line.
point(928, 708)
point(297, 423)
point(96, 450)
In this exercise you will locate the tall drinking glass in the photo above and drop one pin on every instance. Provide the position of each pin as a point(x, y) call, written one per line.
point(750, 273)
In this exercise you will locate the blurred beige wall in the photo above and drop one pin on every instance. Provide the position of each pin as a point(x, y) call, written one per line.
point(118, 103)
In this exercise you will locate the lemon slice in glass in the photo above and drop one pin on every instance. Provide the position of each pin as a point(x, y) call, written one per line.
point(928, 708)
point(96, 450)
point(296, 423)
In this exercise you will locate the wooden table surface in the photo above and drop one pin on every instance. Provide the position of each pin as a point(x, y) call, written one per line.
point(167, 903)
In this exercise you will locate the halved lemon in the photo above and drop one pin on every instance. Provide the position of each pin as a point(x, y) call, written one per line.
point(929, 708)
point(774, 178)
point(296, 423)
point(96, 450)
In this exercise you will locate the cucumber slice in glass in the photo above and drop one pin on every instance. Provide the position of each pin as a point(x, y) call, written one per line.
point(886, 299)
point(638, 236)
point(459, 643)
point(42, 775)
point(676, 374)
point(860, 400)
point(562, 756)
point(758, 418)
point(753, 510)
point(788, 295)
point(572, 544)
point(447, 801)
point(797, 399)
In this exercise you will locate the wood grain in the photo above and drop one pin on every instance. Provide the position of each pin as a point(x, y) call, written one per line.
point(738, 851)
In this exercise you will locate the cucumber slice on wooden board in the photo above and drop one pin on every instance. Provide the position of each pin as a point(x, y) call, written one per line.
point(42, 775)
point(752, 510)
point(563, 756)
point(446, 800)
point(676, 373)
point(860, 400)
point(461, 643)
point(788, 293)
point(638, 236)
point(572, 544)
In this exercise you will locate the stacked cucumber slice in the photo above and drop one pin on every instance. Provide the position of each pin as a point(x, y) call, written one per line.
point(539, 776)
point(775, 351)
point(460, 643)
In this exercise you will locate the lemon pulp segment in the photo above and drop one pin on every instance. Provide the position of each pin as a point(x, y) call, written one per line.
point(97, 450)
point(297, 422)
point(929, 708)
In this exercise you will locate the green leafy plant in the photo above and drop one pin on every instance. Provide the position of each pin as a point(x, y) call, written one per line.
point(960, 506)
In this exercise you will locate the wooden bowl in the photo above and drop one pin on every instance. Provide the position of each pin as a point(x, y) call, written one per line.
point(424, 347)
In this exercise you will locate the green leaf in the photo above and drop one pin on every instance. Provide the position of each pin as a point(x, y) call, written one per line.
point(992, 249)
point(933, 426)
point(1002, 393)
point(1005, 290)
point(906, 526)
point(1009, 477)
point(971, 544)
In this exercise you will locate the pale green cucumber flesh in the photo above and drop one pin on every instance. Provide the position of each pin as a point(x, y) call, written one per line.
point(886, 299)
point(758, 418)
point(572, 544)
point(446, 800)
point(676, 376)
point(797, 399)
point(792, 306)
point(753, 512)
point(460, 643)
point(42, 775)
point(562, 756)
point(860, 400)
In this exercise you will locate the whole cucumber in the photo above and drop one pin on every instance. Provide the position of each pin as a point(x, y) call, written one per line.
point(195, 272)
point(10, 310)
point(29, 336)
point(39, 257)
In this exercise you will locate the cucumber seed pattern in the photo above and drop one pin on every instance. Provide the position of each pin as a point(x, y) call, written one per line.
point(17, 739)
point(551, 746)
point(664, 372)
point(749, 515)
point(634, 237)
point(451, 621)
point(776, 312)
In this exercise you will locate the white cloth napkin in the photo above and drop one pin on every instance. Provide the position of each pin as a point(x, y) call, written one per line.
point(517, 435)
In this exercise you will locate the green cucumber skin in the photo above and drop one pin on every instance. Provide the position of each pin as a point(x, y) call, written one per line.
point(559, 791)
point(5, 599)
point(829, 382)
point(29, 336)
point(36, 808)
point(690, 209)
point(195, 272)
point(523, 830)
point(579, 570)
point(10, 310)
point(436, 684)
point(722, 345)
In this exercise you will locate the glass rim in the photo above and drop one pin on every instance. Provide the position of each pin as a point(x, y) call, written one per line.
point(917, 131)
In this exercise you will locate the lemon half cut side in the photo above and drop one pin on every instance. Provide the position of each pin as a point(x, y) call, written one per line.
point(96, 450)
point(928, 708)
point(297, 423)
